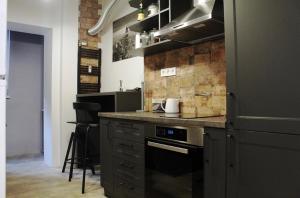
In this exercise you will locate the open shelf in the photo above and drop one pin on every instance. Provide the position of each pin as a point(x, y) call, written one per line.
point(145, 25)
point(136, 3)
point(160, 47)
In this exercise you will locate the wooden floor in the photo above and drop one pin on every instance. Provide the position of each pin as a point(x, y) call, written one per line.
point(33, 179)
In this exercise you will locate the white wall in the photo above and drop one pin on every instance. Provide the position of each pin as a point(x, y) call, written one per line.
point(131, 71)
point(61, 18)
point(2, 96)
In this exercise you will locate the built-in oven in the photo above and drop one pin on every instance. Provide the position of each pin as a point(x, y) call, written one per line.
point(174, 162)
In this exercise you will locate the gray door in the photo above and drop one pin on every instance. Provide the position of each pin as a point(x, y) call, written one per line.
point(215, 163)
point(263, 48)
point(263, 165)
point(25, 91)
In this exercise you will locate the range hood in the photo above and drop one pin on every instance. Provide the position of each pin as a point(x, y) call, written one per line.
point(204, 21)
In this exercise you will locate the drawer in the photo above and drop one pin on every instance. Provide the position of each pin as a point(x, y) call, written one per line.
point(125, 189)
point(129, 131)
point(131, 171)
point(128, 150)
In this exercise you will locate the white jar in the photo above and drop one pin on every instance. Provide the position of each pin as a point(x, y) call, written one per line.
point(152, 9)
point(145, 39)
point(138, 43)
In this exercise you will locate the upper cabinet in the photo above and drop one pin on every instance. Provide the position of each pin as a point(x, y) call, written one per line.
point(263, 47)
point(175, 23)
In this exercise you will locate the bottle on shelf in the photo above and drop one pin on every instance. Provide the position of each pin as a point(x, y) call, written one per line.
point(152, 38)
point(141, 14)
point(145, 39)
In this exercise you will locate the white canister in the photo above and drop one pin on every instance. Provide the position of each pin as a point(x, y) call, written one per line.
point(152, 9)
point(138, 43)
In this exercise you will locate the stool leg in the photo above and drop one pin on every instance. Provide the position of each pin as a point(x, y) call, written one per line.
point(73, 154)
point(84, 158)
point(93, 169)
point(68, 152)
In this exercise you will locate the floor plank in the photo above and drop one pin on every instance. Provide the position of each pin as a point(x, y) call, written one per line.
point(32, 178)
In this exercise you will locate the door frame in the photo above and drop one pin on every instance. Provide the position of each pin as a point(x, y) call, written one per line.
point(51, 137)
point(3, 32)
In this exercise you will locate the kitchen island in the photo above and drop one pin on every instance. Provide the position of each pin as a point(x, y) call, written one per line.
point(131, 142)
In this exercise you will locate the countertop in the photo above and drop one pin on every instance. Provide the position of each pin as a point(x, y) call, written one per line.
point(217, 121)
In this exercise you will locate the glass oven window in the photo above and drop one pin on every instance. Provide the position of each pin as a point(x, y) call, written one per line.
point(171, 174)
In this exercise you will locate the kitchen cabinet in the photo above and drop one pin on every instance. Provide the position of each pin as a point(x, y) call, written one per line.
point(215, 163)
point(262, 49)
point(262, 55)
point(106, 150)
point(263, 165)
point(168, 11)
point(122, 158)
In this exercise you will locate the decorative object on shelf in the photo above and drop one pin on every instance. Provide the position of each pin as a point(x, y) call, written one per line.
point(145, 39)
point(89, 63)
point(121, 85)
point(138, 43)
point(153, 9)
point(141, 14)
point(153, 39)
point(123, 38)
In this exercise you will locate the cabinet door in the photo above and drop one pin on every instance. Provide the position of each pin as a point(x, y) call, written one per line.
point(263, 165)
point(262, 51)
point(106, 156)
point(215, 163)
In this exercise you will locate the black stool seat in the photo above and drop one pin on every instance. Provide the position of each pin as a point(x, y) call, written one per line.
point(86, 119)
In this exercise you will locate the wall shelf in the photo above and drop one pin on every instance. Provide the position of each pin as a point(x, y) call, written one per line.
point(136, 3)
point(146, 25)
point(160, 47)
point(168, 10)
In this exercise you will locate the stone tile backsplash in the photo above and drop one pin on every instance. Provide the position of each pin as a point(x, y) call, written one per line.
point(200, 82)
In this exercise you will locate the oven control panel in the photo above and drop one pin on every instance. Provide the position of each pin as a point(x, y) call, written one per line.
point(172, 133)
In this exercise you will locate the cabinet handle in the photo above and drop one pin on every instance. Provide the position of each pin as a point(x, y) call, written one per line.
point(131, 188)
point(230, 94)
point(126, 145)
point(126, 125)
point(127, 186)
point(126, 165)
point(128, 154)
point(231, 144)
point(207, 147)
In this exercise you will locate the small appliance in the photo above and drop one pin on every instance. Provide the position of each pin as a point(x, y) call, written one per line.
point(172, 105)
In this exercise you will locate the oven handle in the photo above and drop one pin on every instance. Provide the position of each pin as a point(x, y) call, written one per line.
point(168, 147)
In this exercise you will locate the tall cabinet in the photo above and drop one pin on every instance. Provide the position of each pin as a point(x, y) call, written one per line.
point(263, 140)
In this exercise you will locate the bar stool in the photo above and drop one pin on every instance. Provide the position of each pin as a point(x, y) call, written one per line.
point(86, 119)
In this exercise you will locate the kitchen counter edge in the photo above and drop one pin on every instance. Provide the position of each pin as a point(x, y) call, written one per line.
point(215, 122)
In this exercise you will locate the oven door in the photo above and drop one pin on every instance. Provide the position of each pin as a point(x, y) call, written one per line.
point(173, 170)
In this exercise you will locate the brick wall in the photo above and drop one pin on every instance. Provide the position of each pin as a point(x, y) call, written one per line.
point(200, 70)
point(89, 11)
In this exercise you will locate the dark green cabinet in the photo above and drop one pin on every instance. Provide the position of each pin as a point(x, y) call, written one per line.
point(262, 55)
point(122, 158)
point(264, 165)
point(215, 163)
point(106, 150)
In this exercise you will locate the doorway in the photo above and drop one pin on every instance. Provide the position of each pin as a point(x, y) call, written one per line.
point(24, 102)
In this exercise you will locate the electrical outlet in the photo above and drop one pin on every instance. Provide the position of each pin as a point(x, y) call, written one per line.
point(172, 71)
point(163, 72)
point(168, 72)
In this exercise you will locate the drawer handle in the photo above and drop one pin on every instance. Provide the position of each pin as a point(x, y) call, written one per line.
point(131, 188)
point(128, 187)
point(128, 154)
point(126, 145)
point(126, 165)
